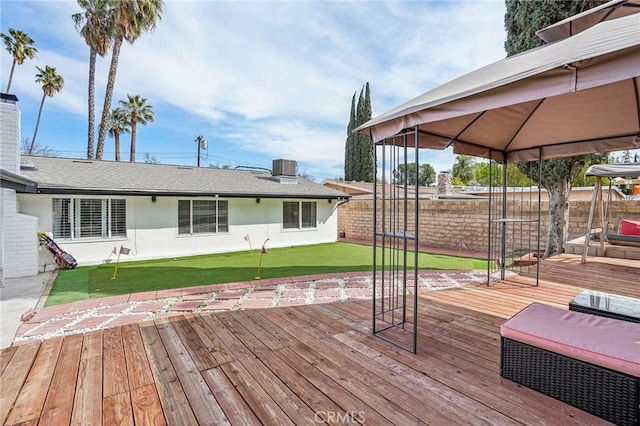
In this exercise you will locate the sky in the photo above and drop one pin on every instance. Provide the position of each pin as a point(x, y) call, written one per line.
point(260, 80)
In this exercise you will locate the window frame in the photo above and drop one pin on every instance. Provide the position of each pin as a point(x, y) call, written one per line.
point(73, 216)
point(220, 226)
point(299, 213)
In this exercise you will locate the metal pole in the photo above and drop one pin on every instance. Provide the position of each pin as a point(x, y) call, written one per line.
point(375, 238)
point(489, 255)
point(503, 255)
point(415, 248)
point(539, 213)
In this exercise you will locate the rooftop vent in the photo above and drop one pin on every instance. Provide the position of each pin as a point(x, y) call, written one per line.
point(27, 166)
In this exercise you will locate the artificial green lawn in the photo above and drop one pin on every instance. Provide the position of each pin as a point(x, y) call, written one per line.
point(132, 277)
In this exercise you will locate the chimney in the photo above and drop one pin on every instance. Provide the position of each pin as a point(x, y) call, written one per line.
point(9, 133)
point(444, 183)
point(284, 171)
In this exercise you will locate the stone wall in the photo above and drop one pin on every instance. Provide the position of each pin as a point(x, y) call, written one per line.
point(445, 223)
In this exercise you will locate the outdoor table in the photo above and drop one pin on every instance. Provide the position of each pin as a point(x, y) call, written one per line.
point(607, 305)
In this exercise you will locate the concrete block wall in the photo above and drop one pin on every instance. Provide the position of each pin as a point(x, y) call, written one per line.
point(444, 223)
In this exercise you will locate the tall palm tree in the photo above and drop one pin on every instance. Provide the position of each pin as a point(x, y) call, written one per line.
point(464, 168)
point(52, 83)
point(93, 26)
point(129, 19)
point(20, 45)
point(137, 111)
point(118, 123)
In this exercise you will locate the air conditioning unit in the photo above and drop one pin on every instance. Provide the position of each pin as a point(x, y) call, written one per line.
point(284, 168)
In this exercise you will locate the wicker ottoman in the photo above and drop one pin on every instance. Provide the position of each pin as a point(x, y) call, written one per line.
point(561, 354)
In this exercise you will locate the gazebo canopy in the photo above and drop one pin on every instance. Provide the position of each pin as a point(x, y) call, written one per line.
point(580, 22)
point(625, 170)
point(576, 96)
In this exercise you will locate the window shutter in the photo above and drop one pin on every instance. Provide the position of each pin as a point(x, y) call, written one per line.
point(61, 218)
point(118, 218)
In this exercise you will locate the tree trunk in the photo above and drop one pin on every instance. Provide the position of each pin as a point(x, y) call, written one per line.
point(558, 217)
point(92, 103)
point(108, 95)
point(116, 141)
point(13, 67)
point(35, 132)
point(134, 131)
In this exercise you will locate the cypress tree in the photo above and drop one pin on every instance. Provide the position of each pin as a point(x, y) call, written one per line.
point(349, 154)
point(366, 147)
point(358, 138)
point(358, 155)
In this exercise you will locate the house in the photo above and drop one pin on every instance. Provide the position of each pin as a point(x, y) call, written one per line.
point(90, 207)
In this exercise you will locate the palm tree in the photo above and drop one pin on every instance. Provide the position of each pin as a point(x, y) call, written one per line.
point(137, 112)
point(93, 26)
point(118, 124)
point(129, 19)
point(20, 45)
point(464, 168)
point(52, 83)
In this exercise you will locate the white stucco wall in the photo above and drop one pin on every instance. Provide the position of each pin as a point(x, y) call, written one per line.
point(152, 229)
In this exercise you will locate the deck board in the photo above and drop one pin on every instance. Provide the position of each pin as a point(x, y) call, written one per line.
point(28, 406)
point(13, 377)
point(59, 403)
point(87, 405)
point(204, 405)
point(303, 364)
point(173, 400)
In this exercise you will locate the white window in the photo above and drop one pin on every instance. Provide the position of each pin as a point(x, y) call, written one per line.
point(299, 214)
point(202, 216)
point(75, 218)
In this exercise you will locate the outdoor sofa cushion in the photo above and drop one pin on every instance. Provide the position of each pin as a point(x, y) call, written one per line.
point(623, 240)
point(629, 227)
point(607, 342)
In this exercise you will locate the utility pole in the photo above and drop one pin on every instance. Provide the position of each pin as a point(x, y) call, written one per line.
point(202, 144)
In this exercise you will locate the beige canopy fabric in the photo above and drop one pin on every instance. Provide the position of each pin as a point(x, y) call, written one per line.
point(580, 22)
point(576, 96)
point(630, 170)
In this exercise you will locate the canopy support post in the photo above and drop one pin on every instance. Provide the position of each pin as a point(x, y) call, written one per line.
point(503, 254)
point(395, 234)
point(592, 209)
point(602, 218)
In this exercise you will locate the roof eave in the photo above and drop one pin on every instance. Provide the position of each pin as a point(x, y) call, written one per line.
point(121, 192)
point(17, 182)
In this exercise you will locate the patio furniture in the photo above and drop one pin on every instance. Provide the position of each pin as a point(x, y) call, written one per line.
point(588, 361)
point(607, 305)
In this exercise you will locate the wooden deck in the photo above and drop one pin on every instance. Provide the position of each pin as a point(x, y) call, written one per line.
point(300, 365)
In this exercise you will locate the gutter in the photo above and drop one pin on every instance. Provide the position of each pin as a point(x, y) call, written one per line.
point(84, 191)
point(17, 182)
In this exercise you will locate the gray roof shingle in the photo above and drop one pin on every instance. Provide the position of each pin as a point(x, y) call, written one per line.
point(69, 175)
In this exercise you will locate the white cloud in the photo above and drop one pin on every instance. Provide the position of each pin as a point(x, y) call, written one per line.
point(273, 78)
